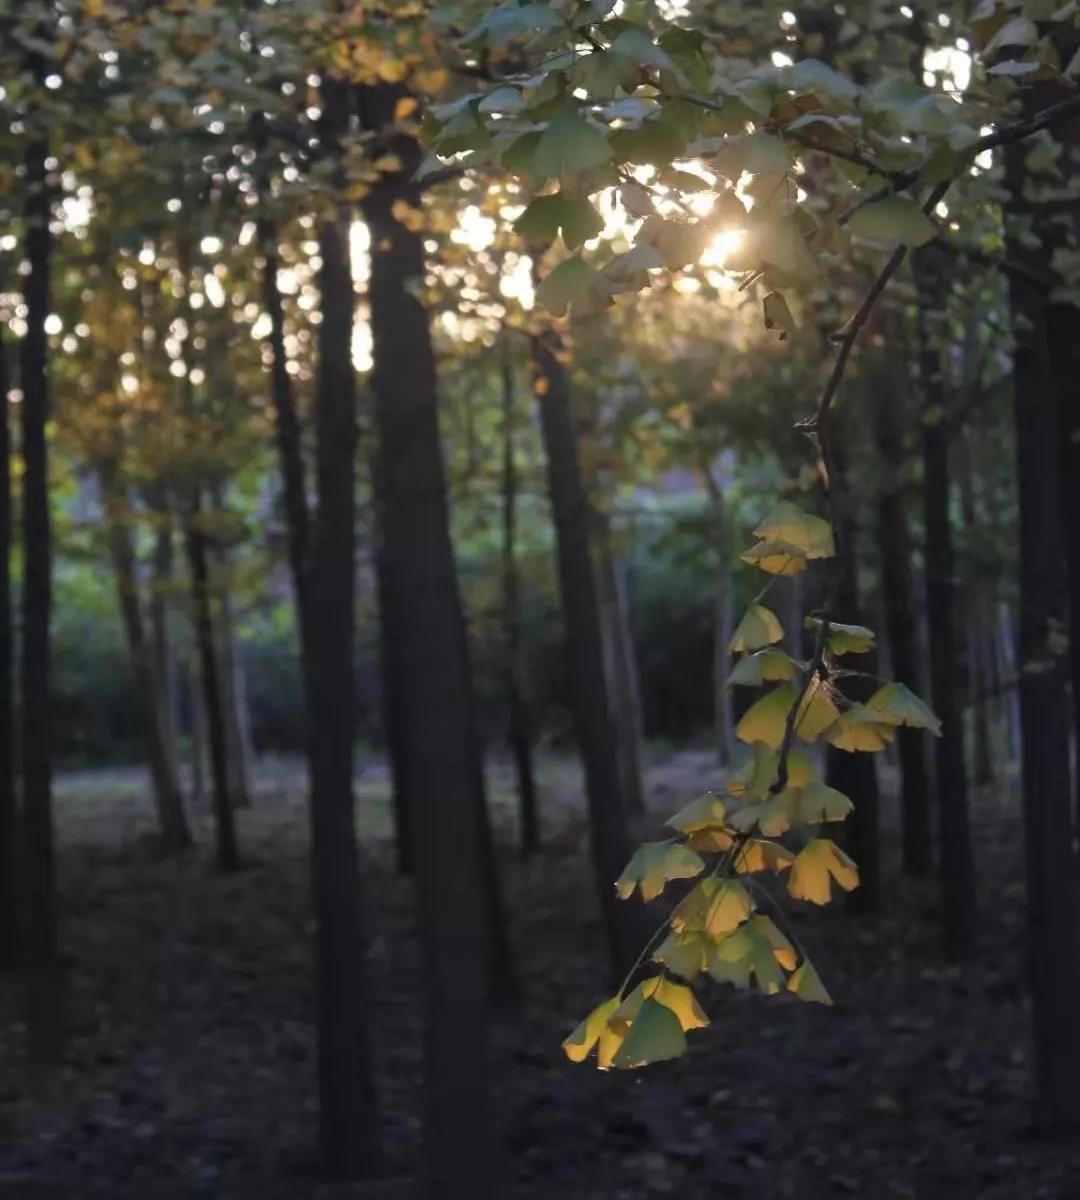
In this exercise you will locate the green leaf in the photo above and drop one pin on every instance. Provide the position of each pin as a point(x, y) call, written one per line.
point(703, 813)
point(787, 522)
point(570, 143)
point(818, 802)
point(759, 627)
point(655, 1035)
point(806, 984)
point(714, 907)
point(765, 666)
point(860, 728)
point(636, 43)
point(654, 865)
point(898, 705)
point(894, 219)
point(810, 75)
point(687, 954)
point(773, 815)
point(818, 861)
point(505, 22)
point(573, 281)
point(777, 315)
point(571, 213)
point(775, 558)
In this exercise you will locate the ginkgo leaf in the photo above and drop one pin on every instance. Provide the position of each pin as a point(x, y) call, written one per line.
point(818, 802)
point(816, 713)
point(765, 666)
point(783, 950)
point(760, 855)
point(654, 865)
point(714, 907)
point(894, 219)
point(759, 627)
point(777, 314)
point(765, 720)
point(754, 777)
point(860, 728)
point(573, 281)
point(687, 954)
point(682, 1002)
point(710, 841)
point(898, 705)
point(654, 1036)
point(815, 863)
point(702, 813)
point(775, 558)
point(844, 639)
point(578, 1046)
point(789, 523)
point(806, 984)
point(750, 950)
point(773, 815)
point(572, 214)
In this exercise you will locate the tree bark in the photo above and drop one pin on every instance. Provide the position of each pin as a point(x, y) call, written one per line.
point(9, 856)
point(1043, 672)
point(45, 1016)
point(433, 701)
point(227, 850)
point(348, 1104)
point(168, 798)
point(593, 719)
point(518, 731)
point(956, 860)
point(899, 602)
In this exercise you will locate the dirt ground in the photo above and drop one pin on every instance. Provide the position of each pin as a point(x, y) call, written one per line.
point(190, 1066)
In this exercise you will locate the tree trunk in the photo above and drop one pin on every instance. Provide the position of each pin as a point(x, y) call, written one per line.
point(166, 669)
point(9, 855)
point(518, 730)
point(348, 1102)
point(593, 719)
point(956, 861)
point(45, 1022)
point(855, 774)
point(168, 798)
point(621, 671)
point(1043, 670)
point(456, 886)
point(228, 854)
point(899, 602)
point(723, 627)
point(975, 619)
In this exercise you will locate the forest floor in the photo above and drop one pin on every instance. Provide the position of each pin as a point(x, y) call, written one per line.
point(190, 1065)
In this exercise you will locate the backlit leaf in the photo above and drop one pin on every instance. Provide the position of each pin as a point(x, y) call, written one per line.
point(806, 984)
point(899, 705)
point(759, 627)
point(580, 1043)
point(705, 811)
point(789, 523)
point(818, 802)
point(570, 143)
point(654, 865)
point(818, 861)
point(775, 558)
point(654, 1036)
point(766, 666)
point(859, 729)
point(894, 219)
point(759, 855)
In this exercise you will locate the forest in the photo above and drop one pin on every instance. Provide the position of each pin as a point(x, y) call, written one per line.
point(539, 599)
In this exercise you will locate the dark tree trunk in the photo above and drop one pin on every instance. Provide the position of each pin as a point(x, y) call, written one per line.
point(228, 854)
point(168, 798)
point(518, 730)
point(1044, 721)
point(9, 858)
point(901, 631)
point(593, 718)
point(287, 430)
point(956, 861)
point(855, 774)
point(348, 1103)
point(165, 662)
point(45, 1023)
point(433, 700)
point(976, 620)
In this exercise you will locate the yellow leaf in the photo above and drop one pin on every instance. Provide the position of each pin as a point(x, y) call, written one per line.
point(758, 855)
point(654, 865)
point(807, 985)
point(682, 1002)
point(703, 813)
point(776, 558)
point(580, 1043)
point(405, 107)
point(788, 523)
point(819, 859)
point(759, 627)
point(714, 907)
point(388, 164)
point(900, 706)
point(860, 728)
point(765, 720)
point(710, 841)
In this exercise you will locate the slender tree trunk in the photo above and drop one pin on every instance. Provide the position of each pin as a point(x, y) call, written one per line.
point(433, 699)
point(593, 718)
point(228, 854)
point(723, 626)
point(956, 860)
point(349, 1112)
point(45, 1020)
point(9, 856)
point(621, 672)
point(165, 663)
point(518, 730)
point(855, 774)
point(974, 608)
point(197, 728)
point(1043, 672)
point(168, 798)
point(899, 602)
